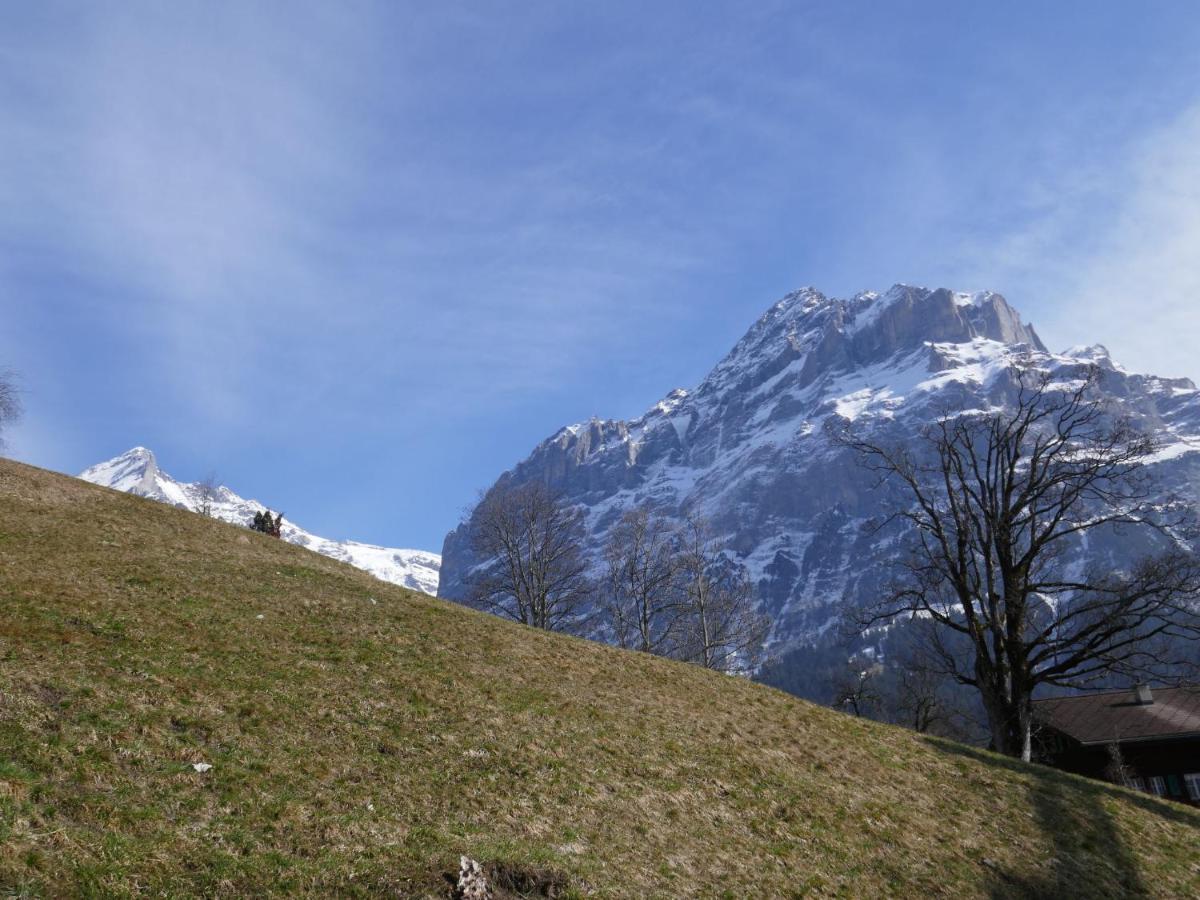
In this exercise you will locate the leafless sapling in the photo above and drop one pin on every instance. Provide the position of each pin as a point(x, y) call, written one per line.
point(641, 600)
point(720, 626)
point(854, 687)
point(208, 491)
point(10, 402)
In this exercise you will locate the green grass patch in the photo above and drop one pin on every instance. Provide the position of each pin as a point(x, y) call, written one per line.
point(358, 748)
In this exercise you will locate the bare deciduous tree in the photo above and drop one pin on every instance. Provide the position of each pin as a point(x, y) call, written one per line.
point(719, 625)
point(919, 701)
point(10, 402)
point(641, 598)
point(916, 692)
point(854, 687)
point(993, 500)
point(532, 569)
point(208, 491)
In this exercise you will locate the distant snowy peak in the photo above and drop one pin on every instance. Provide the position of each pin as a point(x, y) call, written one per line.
point(137, 472)
point(134, 472)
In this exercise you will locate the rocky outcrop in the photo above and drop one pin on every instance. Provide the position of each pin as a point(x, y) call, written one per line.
point(472, 883)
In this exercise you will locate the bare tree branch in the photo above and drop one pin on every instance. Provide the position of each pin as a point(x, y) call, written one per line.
point(208, 492)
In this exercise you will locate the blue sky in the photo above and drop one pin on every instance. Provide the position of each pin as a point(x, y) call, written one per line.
point(359, 258)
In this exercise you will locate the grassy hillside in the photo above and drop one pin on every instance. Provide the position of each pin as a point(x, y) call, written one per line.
point(362, 736)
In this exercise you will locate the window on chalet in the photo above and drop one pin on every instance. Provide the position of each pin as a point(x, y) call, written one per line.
point(1192, 781)
point(1138, 784)
point(1158, 785)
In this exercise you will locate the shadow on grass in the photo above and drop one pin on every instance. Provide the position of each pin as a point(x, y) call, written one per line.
point(1088, 855)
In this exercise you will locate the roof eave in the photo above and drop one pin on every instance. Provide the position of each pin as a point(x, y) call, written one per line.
point(1192, 735)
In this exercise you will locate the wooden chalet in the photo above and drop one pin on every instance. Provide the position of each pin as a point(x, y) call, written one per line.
point(1156, 733)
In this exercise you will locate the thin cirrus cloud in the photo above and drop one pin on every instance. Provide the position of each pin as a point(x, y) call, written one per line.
point(253, 217)
point(1109, 253)
point(181, 170)
point(1141, 287)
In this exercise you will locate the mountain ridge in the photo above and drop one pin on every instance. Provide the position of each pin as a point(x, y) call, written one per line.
point(137, 472)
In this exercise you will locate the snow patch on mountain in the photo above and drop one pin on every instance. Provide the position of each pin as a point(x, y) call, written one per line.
point(137, 472)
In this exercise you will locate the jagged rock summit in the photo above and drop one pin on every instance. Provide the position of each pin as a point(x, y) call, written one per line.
point(137, 472)
point(750, 446)
point(824, 334)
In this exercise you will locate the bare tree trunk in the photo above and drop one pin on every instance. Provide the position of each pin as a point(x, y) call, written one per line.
point(999, 723)
point(1025, 725)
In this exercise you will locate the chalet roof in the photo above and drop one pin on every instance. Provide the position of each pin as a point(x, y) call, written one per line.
point(1117, 715)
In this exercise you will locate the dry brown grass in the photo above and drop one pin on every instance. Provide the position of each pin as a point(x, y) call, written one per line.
point(362, 736)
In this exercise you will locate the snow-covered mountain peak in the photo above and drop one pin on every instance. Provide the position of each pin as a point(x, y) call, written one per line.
point(801, 300)
point(813, 334)
point(809, 352)
point(750, 447)
point(136, 471)
point(668, 404)
point(791, 307)
point(1088, 351)
point(807, 346)
point(142, 454)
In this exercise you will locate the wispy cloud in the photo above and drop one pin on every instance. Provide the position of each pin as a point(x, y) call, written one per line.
point(1107, 249)
point(229, 174)
point(1141, 284)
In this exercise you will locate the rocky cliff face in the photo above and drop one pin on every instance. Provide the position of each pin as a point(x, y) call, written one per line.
point(137, 472)
point(750, 446)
